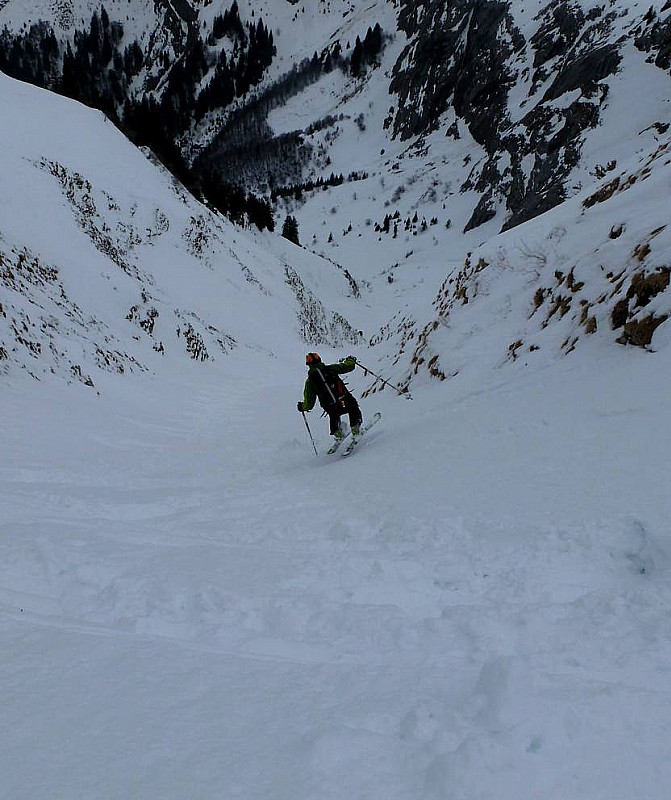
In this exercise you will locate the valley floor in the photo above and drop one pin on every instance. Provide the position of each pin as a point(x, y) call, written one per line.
point(476, 604)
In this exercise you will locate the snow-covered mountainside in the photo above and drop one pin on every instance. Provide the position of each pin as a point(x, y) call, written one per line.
point(476, 603)
point(403, 163)
point(109, 265)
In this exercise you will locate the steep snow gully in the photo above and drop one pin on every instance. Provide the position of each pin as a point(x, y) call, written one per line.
point(476, 604)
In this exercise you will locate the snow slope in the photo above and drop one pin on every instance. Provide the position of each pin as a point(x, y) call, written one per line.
point(474, 605)
point(117, 268)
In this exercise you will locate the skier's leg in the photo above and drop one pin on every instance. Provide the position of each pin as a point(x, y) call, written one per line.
point(355, 417)
point(334, 421)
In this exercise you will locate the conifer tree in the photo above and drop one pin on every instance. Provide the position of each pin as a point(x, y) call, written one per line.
point(290, 229)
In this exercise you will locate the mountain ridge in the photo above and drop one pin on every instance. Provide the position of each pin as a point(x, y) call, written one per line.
point(410, 202)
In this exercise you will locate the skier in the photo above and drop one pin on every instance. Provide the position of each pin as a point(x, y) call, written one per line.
point(324, 383)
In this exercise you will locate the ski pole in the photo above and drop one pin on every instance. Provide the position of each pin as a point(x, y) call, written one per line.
point(395, 388)
point(305, 420)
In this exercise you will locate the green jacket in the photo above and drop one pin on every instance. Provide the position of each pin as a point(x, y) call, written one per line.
point(314, 385)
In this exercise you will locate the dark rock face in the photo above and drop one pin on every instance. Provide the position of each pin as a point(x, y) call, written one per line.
point(559, 28)
point(468, 56)
point(455, 57)
point(654, 37)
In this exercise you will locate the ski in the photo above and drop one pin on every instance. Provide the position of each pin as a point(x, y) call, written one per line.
point(336, 445)
point(362, 432)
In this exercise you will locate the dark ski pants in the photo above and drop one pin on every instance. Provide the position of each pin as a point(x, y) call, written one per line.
point(349, 406)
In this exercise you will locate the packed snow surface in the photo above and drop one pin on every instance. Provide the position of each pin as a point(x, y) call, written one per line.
point(474, 604)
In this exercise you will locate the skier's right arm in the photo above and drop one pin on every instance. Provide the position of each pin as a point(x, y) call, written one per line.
point(309, 396)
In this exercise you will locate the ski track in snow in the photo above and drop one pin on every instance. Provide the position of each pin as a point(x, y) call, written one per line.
point(194, 601)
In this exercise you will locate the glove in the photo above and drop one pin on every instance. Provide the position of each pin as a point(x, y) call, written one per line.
point(300, 406)
point(349, 358)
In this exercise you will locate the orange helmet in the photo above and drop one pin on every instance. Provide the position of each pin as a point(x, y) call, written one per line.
point(312, 358)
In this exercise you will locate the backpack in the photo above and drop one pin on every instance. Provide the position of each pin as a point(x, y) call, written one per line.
point(330, 387)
